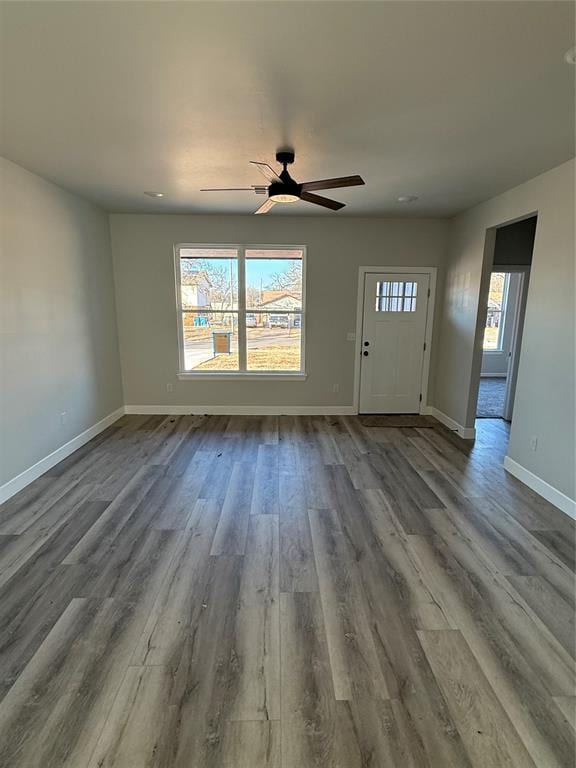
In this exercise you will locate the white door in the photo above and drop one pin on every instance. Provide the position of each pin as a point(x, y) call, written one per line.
point(393, 336)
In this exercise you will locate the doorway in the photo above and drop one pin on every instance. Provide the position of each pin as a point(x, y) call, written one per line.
point(505, 306)
point(393, 340)
point(502, 336)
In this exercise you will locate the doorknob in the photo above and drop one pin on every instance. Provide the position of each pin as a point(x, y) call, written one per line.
point(366, 343)
point(365, 353)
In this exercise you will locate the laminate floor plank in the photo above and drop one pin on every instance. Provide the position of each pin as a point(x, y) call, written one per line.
point(297, 565)
point(180, 600)
point(489, 736)
point(53, 715)
point(232, 529)
point(257, 627)
point(15, 550)
point(96, 541)
point(207, 677)
point(562, 546)
point(265, 492)
point(549, 606)
point(285, 592)
point(525, 697)
point(408, 675)
point(567, 705)
point(21, 512)
point(354, 662)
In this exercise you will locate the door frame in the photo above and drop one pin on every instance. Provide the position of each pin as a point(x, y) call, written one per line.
point(516, 345)
point(382, 269)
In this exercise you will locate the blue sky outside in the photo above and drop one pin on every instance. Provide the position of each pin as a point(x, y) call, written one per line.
point(259, 272)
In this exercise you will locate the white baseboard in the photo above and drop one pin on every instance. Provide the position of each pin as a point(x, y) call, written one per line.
point(467, 433)
point(542, 488)
point(32, 473)
point(242, 410)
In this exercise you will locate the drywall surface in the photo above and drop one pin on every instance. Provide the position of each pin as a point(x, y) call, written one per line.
point(544, 404)
point(58, 337)
point(143, 246)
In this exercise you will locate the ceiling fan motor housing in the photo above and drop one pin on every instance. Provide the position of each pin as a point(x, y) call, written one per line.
point(285, 156)
point(287, 192)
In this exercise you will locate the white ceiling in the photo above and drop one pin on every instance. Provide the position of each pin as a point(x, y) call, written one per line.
point(450, 101)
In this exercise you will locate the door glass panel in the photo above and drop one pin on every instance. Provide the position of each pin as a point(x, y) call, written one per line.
point(396, 296)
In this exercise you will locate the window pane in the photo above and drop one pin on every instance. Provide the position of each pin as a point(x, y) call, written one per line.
point(209, 279)
point(210, 341)
point(492, 330)
point(495, 314)
point(274, 279)
point(273, 341)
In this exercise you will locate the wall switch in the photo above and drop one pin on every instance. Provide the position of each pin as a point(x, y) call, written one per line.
point(534, 443)
point(350, 337)
point(169, 387)
point(335, 387)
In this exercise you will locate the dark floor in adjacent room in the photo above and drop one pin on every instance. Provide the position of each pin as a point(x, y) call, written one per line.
point(304, 592)
point(491, 396)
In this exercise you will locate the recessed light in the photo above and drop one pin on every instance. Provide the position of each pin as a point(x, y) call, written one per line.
point(407, 198)
point(570, 56)
point(154, 194)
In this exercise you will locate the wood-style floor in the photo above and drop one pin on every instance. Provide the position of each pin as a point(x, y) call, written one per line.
point(243, 592)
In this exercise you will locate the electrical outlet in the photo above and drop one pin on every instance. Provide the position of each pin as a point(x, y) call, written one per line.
point(534, 442)
point(169, 387)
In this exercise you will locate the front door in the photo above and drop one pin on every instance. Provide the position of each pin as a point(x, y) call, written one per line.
point(393, 336)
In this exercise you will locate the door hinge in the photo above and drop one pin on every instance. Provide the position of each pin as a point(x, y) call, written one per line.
point(420, 396)
point(428, 292)
point(424, 346)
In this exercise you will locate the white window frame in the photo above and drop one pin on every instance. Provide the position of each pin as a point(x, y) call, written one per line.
point(243, 373)
point(498, 349)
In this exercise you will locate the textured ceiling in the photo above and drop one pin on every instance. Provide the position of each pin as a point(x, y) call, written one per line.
point(450, 101)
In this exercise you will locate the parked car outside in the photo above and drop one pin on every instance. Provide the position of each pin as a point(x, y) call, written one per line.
point(278, 321)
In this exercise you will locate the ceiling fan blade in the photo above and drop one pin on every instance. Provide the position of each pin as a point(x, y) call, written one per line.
point(228, 189)
point(265, 170)
point(341, 181)
point(323, 201)
point(266, 206)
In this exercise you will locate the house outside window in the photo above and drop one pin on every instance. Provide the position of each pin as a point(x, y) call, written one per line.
point(240, 310)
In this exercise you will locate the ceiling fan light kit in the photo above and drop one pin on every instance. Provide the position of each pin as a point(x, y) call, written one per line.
point(283, 188)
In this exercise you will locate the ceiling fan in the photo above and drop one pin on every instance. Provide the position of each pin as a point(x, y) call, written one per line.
point(283, 188)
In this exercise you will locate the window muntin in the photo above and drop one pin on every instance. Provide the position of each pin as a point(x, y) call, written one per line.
point(240, 309)
point(495, 316)
point(396, 296)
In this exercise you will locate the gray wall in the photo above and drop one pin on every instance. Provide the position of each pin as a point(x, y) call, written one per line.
point(544, 404)
point(58, 342)
point(143, 262)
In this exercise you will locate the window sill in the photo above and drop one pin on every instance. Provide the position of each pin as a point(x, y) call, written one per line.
point(492, 351)
point(237, 376)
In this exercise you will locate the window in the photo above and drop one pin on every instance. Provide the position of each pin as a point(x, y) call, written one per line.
point(497, 298)
point(396, 296)
point(240, 309)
